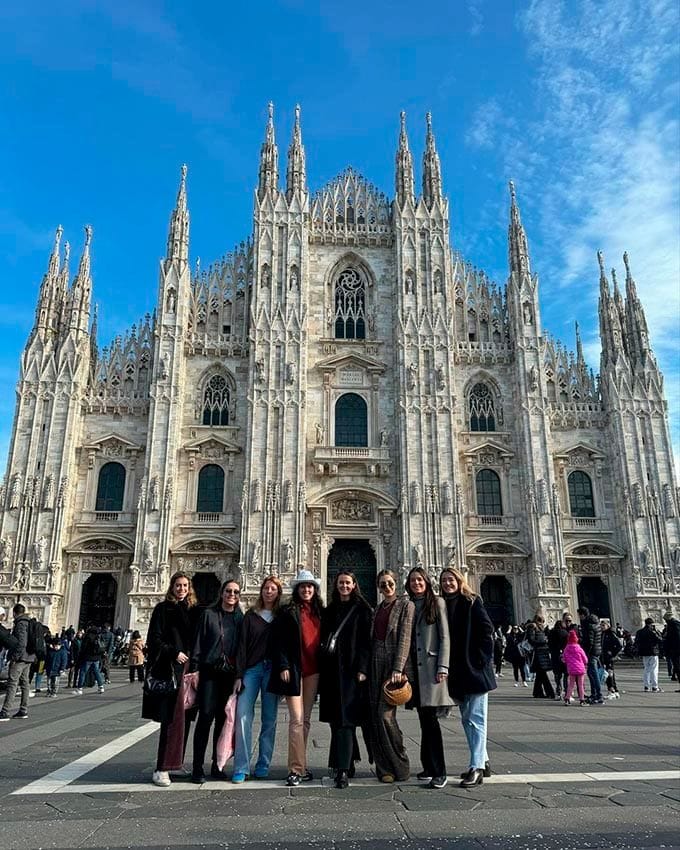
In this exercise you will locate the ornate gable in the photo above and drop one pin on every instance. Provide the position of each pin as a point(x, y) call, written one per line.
point(351, 211)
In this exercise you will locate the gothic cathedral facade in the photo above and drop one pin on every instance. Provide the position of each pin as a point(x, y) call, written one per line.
point(343, 389)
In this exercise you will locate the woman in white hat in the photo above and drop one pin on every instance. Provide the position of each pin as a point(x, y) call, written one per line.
point(296, 640)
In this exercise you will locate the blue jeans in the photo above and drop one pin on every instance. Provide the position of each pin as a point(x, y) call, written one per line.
point(594, 677)
point(255, 681)
point(473, 712)
point(85, 669)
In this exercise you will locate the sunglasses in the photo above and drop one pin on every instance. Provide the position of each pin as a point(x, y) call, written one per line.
point(384, 584)
point(233, 592)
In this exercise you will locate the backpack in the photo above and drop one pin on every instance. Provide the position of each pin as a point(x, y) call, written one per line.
point(35, 642)
point(525, 648)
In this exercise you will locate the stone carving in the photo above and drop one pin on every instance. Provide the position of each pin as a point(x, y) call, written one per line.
point(637, 578)
point(415, 498)
point(668, 502)
point(244, 497)
point(460, 501)
point(5, 551)
point(675, 559)
point(164, 367)
point(288, 496)
point(293, 278)
point(540, 579)
point(557, 508)
point(404, 499)
point(48, 493)
point(412, 376)
point(291, 373)
point(63, 489)
point(255, 560)
point(319, 433)
point(154, 494)
point(419, 554)
point(302, 497)
point(533, 379)
point(638, 503)
point(14, 493)
point(646, 560)
point(447, 497)
point(527, 313)
point(384, 437)
point(542, 497)
point(170, 301)
point(23, 578)
point(450, 554)
point(259, 371)
point(287, 555)
point(351, 509)
point(653, 502)
point(371, 320)
point(167, 496)
point(531, 500)
point(257, 496)
point(51, 570)
point(440, 378)
point(39, 551)
point(147, 552)
point(141, 498)
point(408, 282)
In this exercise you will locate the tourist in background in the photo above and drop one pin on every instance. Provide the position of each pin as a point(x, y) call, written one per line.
point(253, 670)
point(296, 639)
point(557, 640)
point(214, 656)
point(55, 663)
point(390, 645)
point(611, 648)
point(20, 660)
point(591, 643)
point(169, 642)
point(671, 643)
point(427, 670)
point(345, 660)
point(135, 656)
point(471, 675)
point(541, 663)
point(513, 654)
point(648, 646)
point(576, 662)
point(89, 660)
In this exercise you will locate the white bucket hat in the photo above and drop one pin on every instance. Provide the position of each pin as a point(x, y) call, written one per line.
point(305, 577)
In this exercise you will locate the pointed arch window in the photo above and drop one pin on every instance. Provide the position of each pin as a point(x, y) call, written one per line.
point(210, 496)
point(350, 305)
point(216, 398)
point(110, 488)
point(488, 486)
point(482, 406)
point(351, 421)
point(581, 503)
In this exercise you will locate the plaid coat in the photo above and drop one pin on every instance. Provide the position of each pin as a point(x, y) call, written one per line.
point(398, 638)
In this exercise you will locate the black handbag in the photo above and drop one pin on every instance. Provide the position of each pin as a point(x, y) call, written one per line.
point(330, 645)
point(161, 687)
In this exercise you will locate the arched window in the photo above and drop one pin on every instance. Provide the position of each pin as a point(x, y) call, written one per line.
point(350, 306)
point(216, 402)
point(482, 409)
point(580, 494)
point(351, 421)
point(110, 487)
point(210, 489)
point(489, 493)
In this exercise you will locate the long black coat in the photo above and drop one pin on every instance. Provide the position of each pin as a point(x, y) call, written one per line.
point(343, 699)
point(471, 658)
point(541, 661)
point(171, 631)
point(286, 652)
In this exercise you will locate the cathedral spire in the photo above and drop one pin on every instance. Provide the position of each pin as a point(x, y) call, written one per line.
point(432, 174)
point(49, 307)
point(268, 177)
point(404, 182)
point(518, 250)
point(579, 345)
point(296, 177)
point(611, 328)
point(178, 236)
point(636, 321)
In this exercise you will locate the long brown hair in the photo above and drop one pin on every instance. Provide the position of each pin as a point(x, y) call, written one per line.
point(190, 597)
point(463, 587)
point(430, 598)
point(356, 595)
point(259, 602)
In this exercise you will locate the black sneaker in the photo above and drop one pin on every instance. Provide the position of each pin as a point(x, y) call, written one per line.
point(423, 776)
point(437, 782)
point(198, 778)
point(293, 780)
point(3, 717)
point(307, 776)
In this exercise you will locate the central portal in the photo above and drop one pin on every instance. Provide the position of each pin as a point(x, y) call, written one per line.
point(357, 556)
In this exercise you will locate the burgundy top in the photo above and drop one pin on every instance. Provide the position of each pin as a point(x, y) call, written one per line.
point(382, 616)
point(310, 637)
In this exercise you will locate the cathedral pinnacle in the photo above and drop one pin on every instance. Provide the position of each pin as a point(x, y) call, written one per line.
point(268, 177)
point(178, 236)
point(53, 267)
point(432, 175)
point(296, 177)
point(404, 175)
point(518, 250)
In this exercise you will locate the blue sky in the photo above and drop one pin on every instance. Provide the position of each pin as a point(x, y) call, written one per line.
point(576, 101)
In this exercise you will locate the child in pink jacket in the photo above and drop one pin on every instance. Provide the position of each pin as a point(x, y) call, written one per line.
point(576, 662)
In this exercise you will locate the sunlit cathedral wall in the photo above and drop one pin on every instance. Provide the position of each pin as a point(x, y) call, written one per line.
point(345, 390)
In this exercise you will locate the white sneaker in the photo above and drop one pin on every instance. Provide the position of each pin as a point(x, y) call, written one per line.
point(32, 693)
point(517, 684)
point(101, 689)
point(161, 778)
point(78, 692)
point(525, 685)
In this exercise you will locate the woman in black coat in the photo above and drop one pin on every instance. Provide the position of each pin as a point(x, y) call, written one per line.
point(541, 663)
point(214, 656)
point(169, 641)
point(346, 622)
point(471, 674)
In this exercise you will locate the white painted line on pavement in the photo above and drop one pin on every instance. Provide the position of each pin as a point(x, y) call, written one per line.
point(56, 781)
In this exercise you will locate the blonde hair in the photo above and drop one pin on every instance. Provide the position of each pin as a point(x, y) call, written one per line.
point(259, 602)
point(190, 597)
point(463, 587)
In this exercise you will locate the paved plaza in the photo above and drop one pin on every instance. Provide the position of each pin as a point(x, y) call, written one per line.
point(77, 774)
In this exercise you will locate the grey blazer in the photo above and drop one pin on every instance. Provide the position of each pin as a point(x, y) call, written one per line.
point(432, 647)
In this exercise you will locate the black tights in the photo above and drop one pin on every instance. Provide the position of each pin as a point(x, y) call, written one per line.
point(431, 744)
point(202, 733)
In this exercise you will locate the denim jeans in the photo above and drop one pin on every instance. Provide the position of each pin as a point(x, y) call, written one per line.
point(594, 677)
point(473, 711)
point(255, 681)
point(97, 673)
point(650, 671)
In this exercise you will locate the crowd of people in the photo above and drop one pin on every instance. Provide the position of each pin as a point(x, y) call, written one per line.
point(425, 650)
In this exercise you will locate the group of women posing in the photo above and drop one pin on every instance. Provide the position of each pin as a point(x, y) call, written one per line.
point(353, 657)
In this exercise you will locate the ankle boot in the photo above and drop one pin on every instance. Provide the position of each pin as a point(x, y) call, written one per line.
point(341, 779)
point(474, 776)
point(486, 771)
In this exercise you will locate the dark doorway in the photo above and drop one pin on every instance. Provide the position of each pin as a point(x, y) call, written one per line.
point(357, 556)
point(98, 601)
point(497, 598)
point(594, 595)
point(206, 588)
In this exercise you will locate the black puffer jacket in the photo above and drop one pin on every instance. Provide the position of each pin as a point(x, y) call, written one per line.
point(647, 641)
point(539, 640)
point(591, 635)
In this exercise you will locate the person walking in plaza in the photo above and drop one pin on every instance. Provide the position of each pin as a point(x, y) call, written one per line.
point(214, 656)
point(498, 650)
point(427, 669)
point(611, 648)
point(471, 674)
point(169, 641)
point(296, 640)
point(671, 643)
point(55, 663)
point(541, 663)
point(591, 642)
point(135, 655)
point(89, 660)
point(73, 658)
point(512, 653)
point(576, 662)
point(107, 641)
point(253, 670)
point(20, 660)
point(344, 664)
point(390, 645)
point(647, 646)
point(557, 640)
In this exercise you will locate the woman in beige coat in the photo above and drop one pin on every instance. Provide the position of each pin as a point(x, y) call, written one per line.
point(427, 669)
